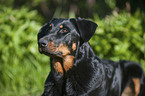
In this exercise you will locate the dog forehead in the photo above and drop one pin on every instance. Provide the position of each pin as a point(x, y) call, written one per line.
point(57, 20)
point(60, 21)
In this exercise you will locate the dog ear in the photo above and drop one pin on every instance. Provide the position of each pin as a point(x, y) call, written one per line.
point(86, 28)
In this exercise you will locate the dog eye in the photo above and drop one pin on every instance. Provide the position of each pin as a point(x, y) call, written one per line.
point(50, 26)
point(65, 30)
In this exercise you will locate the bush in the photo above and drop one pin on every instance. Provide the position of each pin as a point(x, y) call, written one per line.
point(121, 36)
point(22, 70)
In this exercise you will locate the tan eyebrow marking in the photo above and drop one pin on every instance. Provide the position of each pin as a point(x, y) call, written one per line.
point(61, 26)
point(50, 25)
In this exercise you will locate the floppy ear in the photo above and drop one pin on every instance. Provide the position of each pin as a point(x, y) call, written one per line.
point(86, 28)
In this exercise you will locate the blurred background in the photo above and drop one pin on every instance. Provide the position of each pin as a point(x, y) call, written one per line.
point(23, 70)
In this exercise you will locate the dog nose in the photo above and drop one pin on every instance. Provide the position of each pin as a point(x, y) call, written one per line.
point(43, 43)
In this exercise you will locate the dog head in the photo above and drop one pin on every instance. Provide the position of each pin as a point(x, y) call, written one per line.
point(60, 36)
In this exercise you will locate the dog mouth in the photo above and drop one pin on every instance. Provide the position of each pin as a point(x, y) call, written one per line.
point(50, 53)
point(55, 51)
point(62, 55)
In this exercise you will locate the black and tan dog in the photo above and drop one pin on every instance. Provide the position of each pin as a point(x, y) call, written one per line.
point(76, 71)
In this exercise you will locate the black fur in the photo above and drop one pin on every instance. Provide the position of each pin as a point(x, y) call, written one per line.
point(89, 75)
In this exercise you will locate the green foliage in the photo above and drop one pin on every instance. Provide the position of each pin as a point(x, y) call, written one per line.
point(22, 70)
point(121, 36)
point(111, 3)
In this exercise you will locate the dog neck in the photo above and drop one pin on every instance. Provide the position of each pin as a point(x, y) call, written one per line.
point(62, 65)
point(85, 47)
point(76, 69)
point(83, 69)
